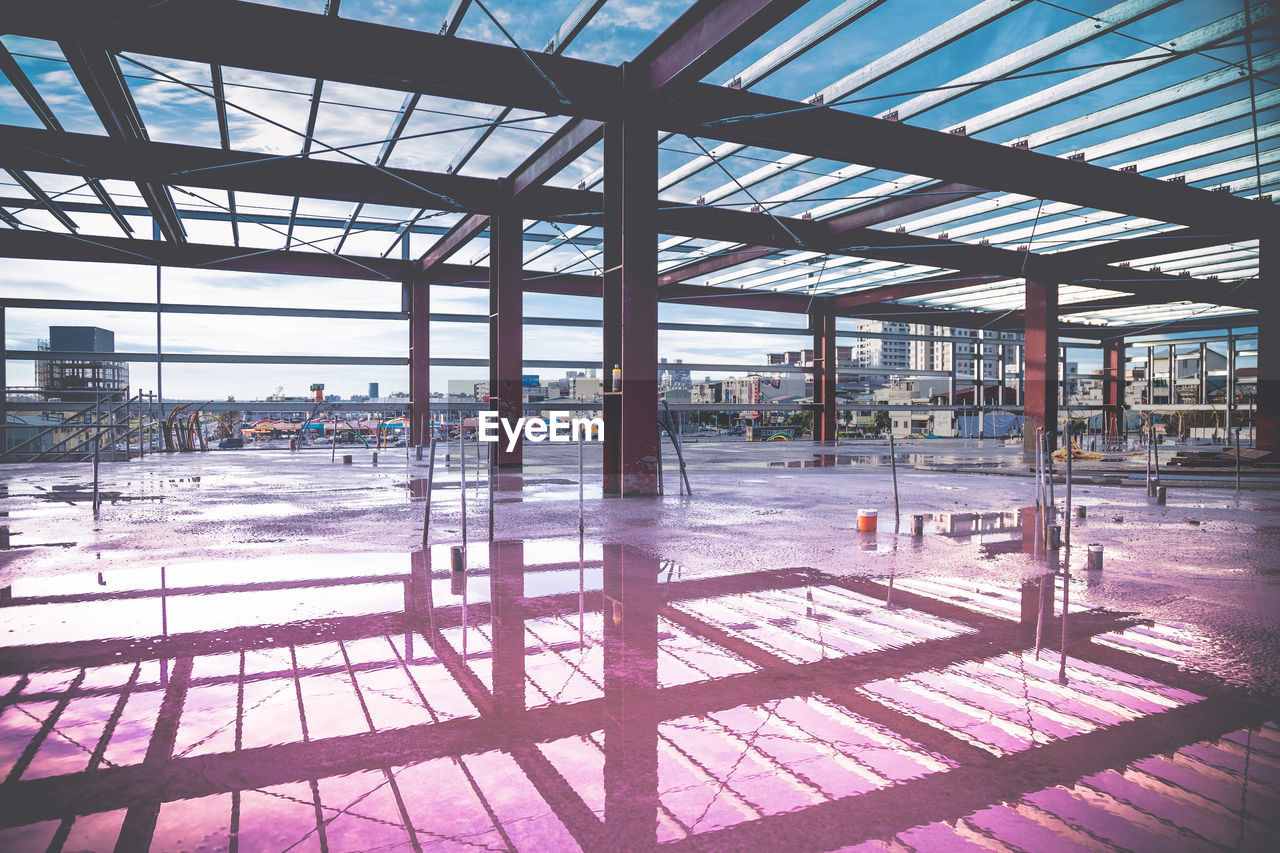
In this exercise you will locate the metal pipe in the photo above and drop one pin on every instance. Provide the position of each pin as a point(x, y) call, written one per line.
point(582, 525)
point(893, 469)
point(1066, 597)
point(1237, 460)
point(1040, 617)
point(462, 483)
point(491, 472)
point(426, 514)
point(1070, 451)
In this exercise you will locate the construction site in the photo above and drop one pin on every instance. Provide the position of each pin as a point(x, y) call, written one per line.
point(873, 442)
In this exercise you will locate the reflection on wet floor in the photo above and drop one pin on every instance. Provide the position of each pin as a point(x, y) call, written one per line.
point(832, 460)
point(567, 695)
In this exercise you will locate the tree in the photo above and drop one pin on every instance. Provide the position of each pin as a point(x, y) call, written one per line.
point(804, 419)
point(880, 423)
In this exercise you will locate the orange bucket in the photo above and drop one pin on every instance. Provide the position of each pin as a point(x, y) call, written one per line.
point(867, 520)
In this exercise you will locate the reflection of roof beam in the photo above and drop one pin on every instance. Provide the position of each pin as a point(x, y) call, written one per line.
point(140, 821)
point(120, 787)
point(952, 795)
point(100, 77)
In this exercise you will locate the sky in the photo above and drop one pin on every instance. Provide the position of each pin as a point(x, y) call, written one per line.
point(268, 111)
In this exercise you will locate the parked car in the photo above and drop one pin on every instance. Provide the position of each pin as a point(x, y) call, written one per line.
point(231, 443)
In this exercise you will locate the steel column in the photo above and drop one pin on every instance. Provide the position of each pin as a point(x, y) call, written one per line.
point(823, 321)
point(1151, 376)
point(1040, 407)
point(418, 298)
point(1112, 386)
point(631, 178)
point(1267, 419)
point(506, 329)
point(611, 332)
point(4, 389)
point(1203, 397)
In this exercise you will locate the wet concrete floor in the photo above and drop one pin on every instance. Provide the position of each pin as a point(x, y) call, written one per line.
point(252, 651)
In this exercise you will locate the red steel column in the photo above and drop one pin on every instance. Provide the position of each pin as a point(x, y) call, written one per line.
point(631, 176)
point(1267, 422)
point(506, 328)
point(823, 321)
point(1040, 403)
point(611, 315)
point(1113, 386)
point(419, 299)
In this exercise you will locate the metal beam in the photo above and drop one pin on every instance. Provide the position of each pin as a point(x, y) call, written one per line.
point(706, 36)
point(780, 125)
point(163, 162)
point(19, 80)
point(285, 41)
point(100, 77)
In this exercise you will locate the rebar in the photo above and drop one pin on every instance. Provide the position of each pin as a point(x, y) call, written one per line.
point(893, 471)
point(426, 514)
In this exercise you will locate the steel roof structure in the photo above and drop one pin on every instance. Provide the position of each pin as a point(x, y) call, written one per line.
point(998, 164)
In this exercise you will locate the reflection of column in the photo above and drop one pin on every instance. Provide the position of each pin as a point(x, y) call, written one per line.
point(506, 606)
point(1037, 594)
point(630, 684)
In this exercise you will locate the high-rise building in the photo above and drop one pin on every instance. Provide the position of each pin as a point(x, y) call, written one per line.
point(881, 352)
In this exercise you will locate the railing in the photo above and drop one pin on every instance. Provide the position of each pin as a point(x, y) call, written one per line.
point(82, 433)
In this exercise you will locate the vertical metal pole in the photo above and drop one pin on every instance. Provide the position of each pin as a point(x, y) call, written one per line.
point(426, 513)
point(582, 525)
point(1068, 509)
point(1148, 432)
point(893, 469)
point(1155, 455)
point(1039, 475)
point(155, 235)
point(333, 454)
point(95, 477)
point(4, 388)
point(491, 478)
point(978, 364)
point(1040, 616)
point(1052, 514)
point(1237, 460)
point(1066, 597)
point(462, 484)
